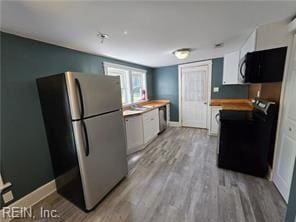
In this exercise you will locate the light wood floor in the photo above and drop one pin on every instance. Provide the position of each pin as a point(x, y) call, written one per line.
point(176, 179)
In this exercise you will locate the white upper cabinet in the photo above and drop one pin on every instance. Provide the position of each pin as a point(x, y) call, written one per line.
point(230, 68)
point(264, 37)
point(249, 46)
point(233, 62)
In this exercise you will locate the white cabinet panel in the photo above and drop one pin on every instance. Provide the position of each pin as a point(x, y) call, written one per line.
point(249, 46)
point(134, 132)
point(230, 68)
point(151, 125)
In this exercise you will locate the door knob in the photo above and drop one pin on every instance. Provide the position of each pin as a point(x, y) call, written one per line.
point(290, 129)
point(205, 103)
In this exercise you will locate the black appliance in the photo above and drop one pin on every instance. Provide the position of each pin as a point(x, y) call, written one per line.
point(264, 66)
point(247, 138)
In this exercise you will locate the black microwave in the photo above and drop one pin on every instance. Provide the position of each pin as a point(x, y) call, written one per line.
point(263, 66)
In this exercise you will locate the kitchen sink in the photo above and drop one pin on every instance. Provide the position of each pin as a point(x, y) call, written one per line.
point(139, 108)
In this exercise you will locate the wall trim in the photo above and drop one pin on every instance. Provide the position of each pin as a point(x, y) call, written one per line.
point(194, 64)
point(174, 124)
point(33, 198)
point(277, 147)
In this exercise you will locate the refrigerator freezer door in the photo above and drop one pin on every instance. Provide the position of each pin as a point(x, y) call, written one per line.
point(106, 163)
point(92, 94)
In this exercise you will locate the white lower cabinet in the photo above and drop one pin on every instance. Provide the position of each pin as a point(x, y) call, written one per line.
point(134, 133)
point(141, 129)
point(214, 125)
point(151, 125)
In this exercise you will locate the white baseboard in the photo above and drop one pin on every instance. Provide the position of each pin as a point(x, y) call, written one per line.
point(32, 198)
point(174, 124)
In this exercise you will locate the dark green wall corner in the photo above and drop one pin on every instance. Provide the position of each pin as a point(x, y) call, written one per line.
point(165, 86)
point(25, 159)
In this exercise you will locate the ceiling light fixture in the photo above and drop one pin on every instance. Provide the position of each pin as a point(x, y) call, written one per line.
point(182, 53)
point(219, 45)
point(103, 36)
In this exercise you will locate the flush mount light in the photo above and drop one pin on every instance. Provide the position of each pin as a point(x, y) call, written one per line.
point(182, 53)
point(219, 45)
point(103, 36)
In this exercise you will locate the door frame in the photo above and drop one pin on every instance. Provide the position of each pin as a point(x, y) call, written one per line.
point(189, 65)
point(277, 147)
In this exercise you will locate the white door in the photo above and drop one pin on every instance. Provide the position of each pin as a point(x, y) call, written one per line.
point(194, 96)
point(286, 154)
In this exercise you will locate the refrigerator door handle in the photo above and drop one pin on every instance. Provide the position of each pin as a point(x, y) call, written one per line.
point(80, 98)
point(86, 138)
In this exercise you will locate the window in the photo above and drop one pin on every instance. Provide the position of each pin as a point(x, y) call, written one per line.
point(132, 81)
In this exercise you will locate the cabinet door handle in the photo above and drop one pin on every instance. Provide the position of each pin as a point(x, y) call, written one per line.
point(217, 117)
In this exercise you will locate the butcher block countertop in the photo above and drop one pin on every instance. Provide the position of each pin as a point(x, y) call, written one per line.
point(233, 104)
point(149, 105)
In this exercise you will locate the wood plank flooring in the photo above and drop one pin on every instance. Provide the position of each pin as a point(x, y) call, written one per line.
point(175, 179)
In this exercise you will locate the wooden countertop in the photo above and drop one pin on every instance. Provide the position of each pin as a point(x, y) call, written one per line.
point(233, 104)
point(152, 104)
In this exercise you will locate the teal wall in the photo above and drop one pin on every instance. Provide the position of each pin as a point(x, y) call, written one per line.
point(165, 86)
point(225, 91)
point(25, 159)
point(291, 211)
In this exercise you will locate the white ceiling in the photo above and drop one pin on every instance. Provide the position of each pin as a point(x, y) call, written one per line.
point(154, 29)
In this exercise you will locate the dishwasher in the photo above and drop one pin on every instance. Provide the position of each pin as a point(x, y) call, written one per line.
point(162, 119)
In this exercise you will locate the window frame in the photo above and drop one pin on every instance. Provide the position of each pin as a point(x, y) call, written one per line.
point(129, 86)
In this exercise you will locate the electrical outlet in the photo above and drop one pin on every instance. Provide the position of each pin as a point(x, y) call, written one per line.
point(7, 197)
point(216, 89)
